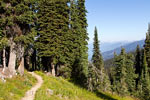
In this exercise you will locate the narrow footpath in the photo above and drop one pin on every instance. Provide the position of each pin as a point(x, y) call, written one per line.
point(31, 93)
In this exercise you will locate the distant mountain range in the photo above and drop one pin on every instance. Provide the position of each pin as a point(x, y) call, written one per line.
point(106, 46)
point(108, 49)
point(128, 47)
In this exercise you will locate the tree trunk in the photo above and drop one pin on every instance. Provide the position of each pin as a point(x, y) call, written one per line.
point(21, 65)
point(53, 69)
point(4, 59)
point(12, 59)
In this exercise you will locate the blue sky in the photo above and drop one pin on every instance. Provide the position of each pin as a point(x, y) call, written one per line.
point(118, 20)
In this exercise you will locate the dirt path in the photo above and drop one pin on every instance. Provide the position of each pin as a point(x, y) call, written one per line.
point(31, 93)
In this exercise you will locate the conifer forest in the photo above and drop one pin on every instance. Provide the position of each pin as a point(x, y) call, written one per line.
point(51, 36)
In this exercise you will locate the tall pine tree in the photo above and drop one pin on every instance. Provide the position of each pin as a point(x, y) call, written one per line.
point(130, 76)
point(52, 43)
point(147, 47)
point(97, 60)
point(120, 73)
point(138, 60)
point(80, 66)
point(137, 63)
point(17, 18)
point(143, 85)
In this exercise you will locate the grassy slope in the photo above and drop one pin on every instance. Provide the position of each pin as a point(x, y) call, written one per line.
point(15, 88)
point(64, 90)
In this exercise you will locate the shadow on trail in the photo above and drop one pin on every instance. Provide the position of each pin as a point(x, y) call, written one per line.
point(104, 96)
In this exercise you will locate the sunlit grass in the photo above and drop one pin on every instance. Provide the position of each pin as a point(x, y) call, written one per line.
point(64, 90)
point(15, 88)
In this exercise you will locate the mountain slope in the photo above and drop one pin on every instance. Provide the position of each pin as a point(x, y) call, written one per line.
point(128, 47)
point(55, 88)
point(106, 46)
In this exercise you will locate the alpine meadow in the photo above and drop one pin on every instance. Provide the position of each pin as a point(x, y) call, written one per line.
point(44, 52)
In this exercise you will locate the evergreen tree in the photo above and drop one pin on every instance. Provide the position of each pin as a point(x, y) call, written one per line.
point(112, 80)
point(92, 78)
point(75, 28)
point(97, 60)
point(130, 76)
point(124, 80)
point(44, 44)
point(106, 83)
point(144, 86)
point(113, 73)
point(120, 73)
point(16, 21)
point(137, 64)
point(147, 47)
point(3, 45)
point(80, 66)
point(138, 61)
point(52, 43)
point(83, 59)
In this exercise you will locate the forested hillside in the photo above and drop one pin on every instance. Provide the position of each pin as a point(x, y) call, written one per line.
point(51, 36)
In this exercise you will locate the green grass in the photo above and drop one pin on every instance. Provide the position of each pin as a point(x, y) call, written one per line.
point(15, 88)
point(64, 90)
point(109, 96)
